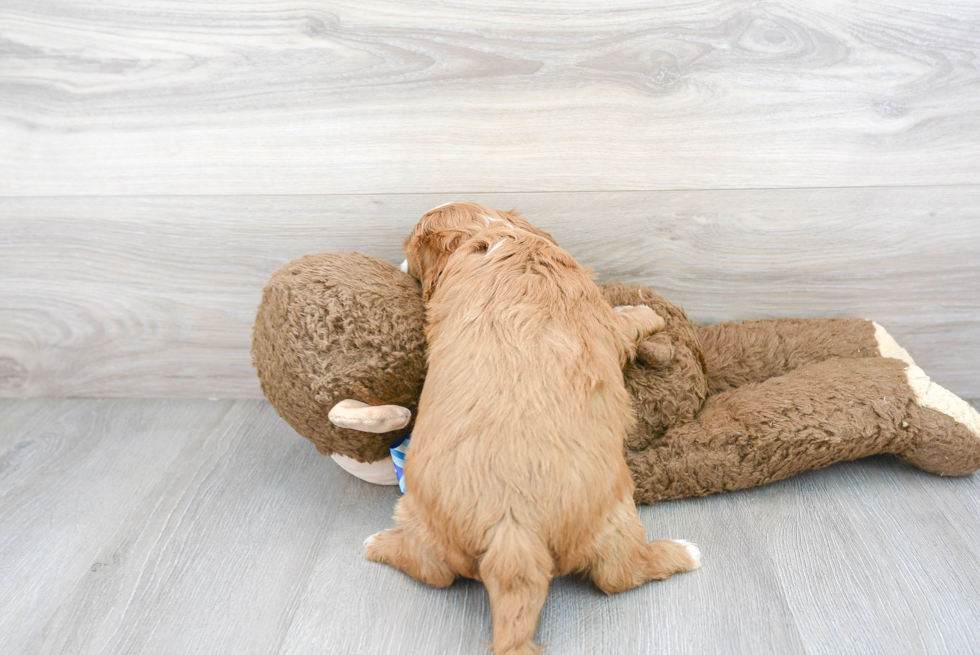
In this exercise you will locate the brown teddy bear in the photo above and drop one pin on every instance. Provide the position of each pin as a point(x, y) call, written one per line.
point(340, 350)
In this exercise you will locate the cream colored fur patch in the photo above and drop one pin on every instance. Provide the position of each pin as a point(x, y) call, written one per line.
point(888, 347)
point(380, 472)
point(931, 395)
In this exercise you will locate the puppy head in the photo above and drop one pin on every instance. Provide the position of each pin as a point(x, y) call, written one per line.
point(443, 230)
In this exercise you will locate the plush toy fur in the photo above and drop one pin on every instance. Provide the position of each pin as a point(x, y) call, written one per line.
point(335, 327)
point(720, 408)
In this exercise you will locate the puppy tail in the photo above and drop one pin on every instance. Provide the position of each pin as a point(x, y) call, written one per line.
point(516, 570)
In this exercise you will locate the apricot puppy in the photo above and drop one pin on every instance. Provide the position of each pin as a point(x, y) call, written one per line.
point(516, 472)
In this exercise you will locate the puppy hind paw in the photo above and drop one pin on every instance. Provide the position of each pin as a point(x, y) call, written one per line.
point(674, 556)
point(378, 546)
point(692, 550)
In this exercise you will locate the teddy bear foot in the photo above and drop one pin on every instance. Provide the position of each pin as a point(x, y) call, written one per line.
point(946, 429)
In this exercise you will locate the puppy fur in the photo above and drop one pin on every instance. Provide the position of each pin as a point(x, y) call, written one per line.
point(516, 471)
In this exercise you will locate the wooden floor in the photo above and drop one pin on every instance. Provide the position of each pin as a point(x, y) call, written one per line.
point(209, 527)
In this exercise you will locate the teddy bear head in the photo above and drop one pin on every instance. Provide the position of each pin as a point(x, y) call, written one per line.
point(340, 327)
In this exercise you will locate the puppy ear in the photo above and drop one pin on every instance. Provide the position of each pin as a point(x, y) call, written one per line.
point(433, 249)
point(432, 272)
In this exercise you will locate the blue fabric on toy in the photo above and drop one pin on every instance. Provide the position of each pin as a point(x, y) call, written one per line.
point(398, 459)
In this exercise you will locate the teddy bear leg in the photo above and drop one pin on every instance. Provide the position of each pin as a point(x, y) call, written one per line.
point(753, 351)
point(833, 411)
point(409, 548)
point(623, 559)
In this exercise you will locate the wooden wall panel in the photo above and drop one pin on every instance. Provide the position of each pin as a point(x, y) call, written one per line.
point(275, 97)
point(156, 296)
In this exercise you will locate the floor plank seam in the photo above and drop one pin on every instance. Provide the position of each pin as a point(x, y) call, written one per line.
point(538, 192)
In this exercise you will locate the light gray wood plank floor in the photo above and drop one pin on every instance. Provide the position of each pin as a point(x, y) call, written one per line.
point(195, 526)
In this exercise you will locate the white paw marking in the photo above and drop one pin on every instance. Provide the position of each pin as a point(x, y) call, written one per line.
point(370, 540)
point(692, 550)
point(404, 267)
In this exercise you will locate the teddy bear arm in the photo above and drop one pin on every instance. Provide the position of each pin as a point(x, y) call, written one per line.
point(832, 411)
point(753, 351)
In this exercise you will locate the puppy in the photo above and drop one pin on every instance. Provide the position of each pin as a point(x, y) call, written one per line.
point(516, 471)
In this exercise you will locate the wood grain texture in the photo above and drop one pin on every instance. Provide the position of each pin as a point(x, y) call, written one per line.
point(74, 471)
point(157, 296)
point(885, 555)
point(577, 618)
point(206, 528)
point(276, 97)
point(212, 560)
point(748, 608)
